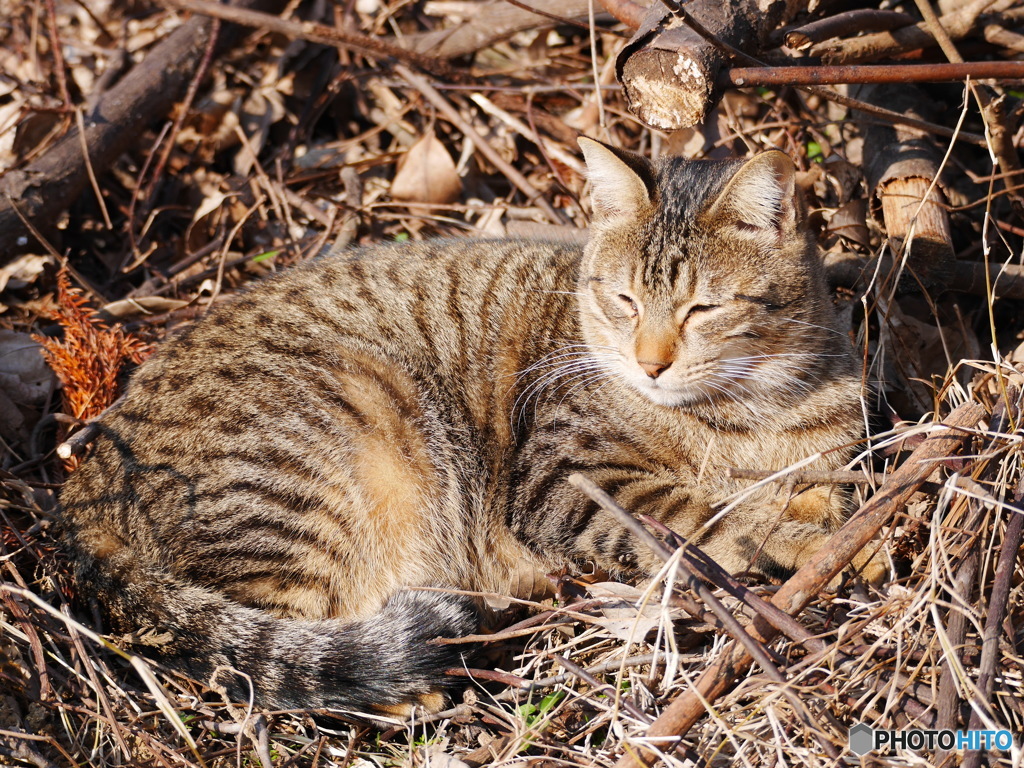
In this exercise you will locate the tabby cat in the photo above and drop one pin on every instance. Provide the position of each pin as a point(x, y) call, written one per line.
point(282, 475)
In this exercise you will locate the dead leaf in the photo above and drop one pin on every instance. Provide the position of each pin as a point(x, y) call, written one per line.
point(525, 583)
point(22, 271)
point(24, 375)
point(622, 618)
point(426, 174)
point(850, 222)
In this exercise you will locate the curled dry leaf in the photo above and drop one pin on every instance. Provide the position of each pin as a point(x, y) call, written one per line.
point(426, 174)
point(22, 271)
point(144, 305)
point(849, 221)
point(525, 583)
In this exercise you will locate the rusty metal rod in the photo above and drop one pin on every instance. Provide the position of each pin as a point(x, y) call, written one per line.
point(751, 77)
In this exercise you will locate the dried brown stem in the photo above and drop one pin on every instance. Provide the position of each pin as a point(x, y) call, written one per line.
point(548, 682)
point(935, 28)
point(491, 22)
point(997, 607)
point(758, 654)
point(812, 476)
point(624, 518)
point(957, 24)
point(947, 710)
point(853, 22)
point(179, 121)
point(57, 50)
point(750, 77)
point(629, 13)
point(557, 19)
point(577, 671)
point(1005, 38)
point(12, 744)
point(695, 575)
point(991, 109)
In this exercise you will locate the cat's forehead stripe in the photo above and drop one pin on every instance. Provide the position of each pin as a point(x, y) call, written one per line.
point(686, 187)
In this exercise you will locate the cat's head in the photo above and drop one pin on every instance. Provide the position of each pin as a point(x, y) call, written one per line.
point(700, 282)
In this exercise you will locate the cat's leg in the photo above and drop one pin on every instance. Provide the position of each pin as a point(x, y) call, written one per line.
point(775, 534)
point(806, 524)
point(767, 533)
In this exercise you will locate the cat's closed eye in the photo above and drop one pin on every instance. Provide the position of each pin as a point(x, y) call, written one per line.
point(630, 304)
point(685, 313)
point(699, 308)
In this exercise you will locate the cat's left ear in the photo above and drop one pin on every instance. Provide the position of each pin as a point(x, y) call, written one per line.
point(760, 197)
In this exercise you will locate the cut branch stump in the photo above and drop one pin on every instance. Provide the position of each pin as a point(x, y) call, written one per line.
point(670, 72)
point(901, 172)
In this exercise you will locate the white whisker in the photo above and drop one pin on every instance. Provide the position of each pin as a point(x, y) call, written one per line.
point(815, 325)
point(572, 365)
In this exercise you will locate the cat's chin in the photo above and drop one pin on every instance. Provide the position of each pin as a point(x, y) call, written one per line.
point(671, 397)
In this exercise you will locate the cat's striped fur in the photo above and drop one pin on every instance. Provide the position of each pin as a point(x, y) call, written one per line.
point(282, 472)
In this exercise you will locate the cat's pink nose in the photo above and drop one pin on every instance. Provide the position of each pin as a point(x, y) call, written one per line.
point(654, 370)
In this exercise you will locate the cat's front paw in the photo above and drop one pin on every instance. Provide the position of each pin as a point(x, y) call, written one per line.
point(872, 564)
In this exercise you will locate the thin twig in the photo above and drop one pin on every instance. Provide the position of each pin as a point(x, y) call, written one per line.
point(561, 19)
point(513, 694)
point(768, 76)
point(318, 33)
point(997, 607)
point(597, 686)
point(76, 444)
point(853, 22)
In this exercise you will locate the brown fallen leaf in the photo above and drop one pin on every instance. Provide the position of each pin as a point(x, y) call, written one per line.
point(426, 174)
point(850, 221)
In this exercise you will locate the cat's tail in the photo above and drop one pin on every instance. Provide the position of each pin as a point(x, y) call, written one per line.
point(383, 664)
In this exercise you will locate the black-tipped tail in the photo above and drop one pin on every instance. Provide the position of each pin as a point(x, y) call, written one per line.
point(383, 663)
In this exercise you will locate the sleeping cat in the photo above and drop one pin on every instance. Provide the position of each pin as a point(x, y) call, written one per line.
point(282, 474)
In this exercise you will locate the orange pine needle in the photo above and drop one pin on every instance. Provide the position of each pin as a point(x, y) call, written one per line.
point(90, 356)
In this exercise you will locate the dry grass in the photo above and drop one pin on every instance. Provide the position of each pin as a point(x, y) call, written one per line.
point(289, 146)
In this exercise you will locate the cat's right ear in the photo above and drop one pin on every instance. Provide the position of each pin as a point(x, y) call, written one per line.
point(621, 183)
point(760, 197)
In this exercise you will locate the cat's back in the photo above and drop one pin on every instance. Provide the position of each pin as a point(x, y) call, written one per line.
point(408, 298)
point(356, 381)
